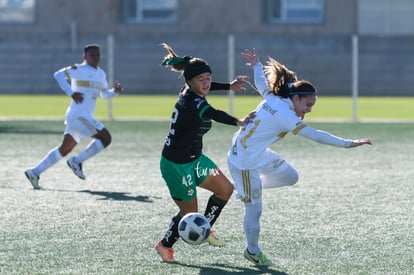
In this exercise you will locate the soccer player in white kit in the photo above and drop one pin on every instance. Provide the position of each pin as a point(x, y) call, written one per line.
point(87, 82)
point(252, 164)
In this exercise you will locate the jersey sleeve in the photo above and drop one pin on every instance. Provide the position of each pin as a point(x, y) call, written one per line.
point(106, 93)
point(323, 137)
point(215, 86)
point(260, 79)
point(62, 76)
point(208, 112)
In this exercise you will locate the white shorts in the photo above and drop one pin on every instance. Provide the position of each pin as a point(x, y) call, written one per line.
point(276, 172)
point(82, 127)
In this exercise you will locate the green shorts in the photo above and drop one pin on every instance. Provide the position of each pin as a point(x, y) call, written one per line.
point(182, 179)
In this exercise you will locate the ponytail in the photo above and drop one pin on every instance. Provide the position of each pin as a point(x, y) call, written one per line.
point(188, 66)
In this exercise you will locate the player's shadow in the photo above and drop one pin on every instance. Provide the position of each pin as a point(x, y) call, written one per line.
point(28, 130)
point(117, 196)
point(218, 269)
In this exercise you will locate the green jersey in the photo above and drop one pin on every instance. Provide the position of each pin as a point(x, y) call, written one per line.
point(190, 120)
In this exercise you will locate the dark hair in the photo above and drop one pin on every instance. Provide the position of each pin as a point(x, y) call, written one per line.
point(89, 47)
point(187, 65)
point(284, 82)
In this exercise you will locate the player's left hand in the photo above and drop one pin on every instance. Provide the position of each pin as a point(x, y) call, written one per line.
point(251, 56)
point(237, 85)
point(359, 142)
point(117, 87)
point(249, 117)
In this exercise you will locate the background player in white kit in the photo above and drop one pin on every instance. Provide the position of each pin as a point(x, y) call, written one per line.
point(87, 82)
point(252, 164)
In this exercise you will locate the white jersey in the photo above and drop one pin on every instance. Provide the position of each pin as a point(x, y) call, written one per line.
point(275, 117)
point(87, 80)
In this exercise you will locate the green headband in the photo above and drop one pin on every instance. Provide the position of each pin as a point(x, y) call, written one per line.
point(176, 60)
point(190, 69)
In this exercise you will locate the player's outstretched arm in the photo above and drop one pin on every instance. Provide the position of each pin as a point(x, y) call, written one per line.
point(359, 142)
point(252, 60)
point(330, 139)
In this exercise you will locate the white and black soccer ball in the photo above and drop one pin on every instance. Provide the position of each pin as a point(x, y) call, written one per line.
point(194, 228)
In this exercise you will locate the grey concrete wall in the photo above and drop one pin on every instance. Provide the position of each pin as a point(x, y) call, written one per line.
point(30, 53)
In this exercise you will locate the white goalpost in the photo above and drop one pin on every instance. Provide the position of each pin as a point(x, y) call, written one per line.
point(355, 77)
point(230, 46)
point(111, 77)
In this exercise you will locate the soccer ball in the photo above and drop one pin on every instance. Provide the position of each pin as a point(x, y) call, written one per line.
point(194, 228)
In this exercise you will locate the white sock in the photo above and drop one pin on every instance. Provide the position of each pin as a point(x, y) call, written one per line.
point(49, 160)
point(92, 149)
point(251, 226)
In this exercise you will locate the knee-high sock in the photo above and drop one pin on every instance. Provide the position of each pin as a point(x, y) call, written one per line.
point(172, 236)
point(49, 160)
point(213, 209)
point(92, 149)
point(251, 226)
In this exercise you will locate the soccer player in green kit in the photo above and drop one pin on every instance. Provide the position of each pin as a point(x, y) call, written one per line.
point(183, 164)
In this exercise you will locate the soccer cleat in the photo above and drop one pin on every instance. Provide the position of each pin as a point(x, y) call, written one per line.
point(33, 178)
point(166, 253)
point(214, 240)
point(259, 259)
point(76, 168)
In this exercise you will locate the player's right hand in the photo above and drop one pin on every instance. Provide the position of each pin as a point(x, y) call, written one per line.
point(77, 97)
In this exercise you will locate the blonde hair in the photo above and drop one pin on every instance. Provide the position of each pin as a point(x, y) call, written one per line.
point(284, 82)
